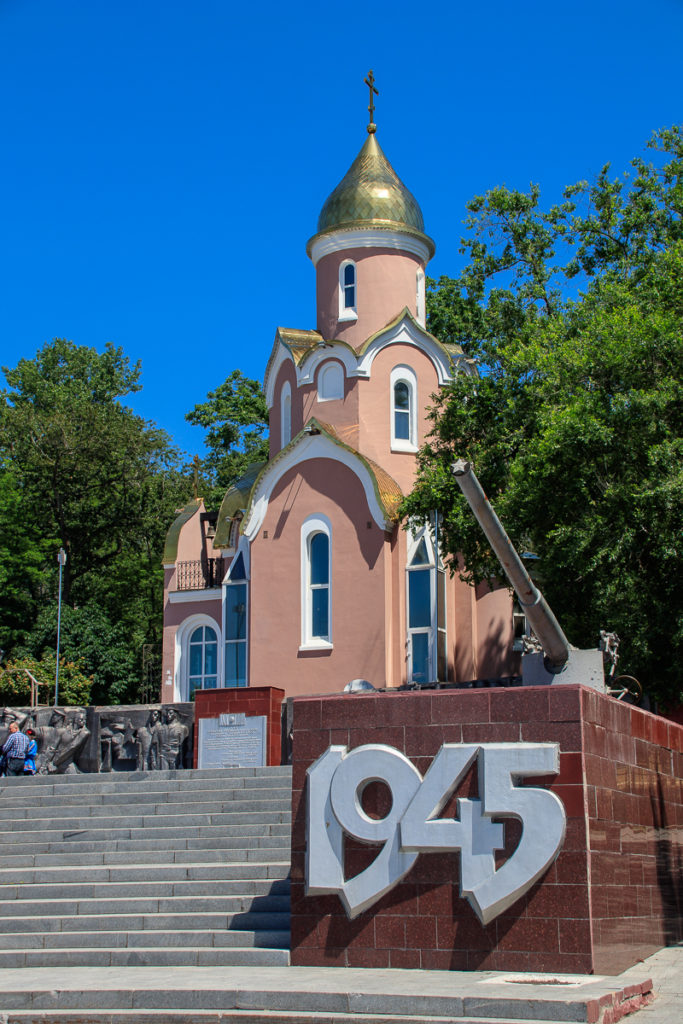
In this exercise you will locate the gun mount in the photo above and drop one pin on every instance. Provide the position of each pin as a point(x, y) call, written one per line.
point(559, 662)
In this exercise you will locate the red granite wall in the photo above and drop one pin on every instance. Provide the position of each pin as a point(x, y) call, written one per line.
point(423, 922)
point(634, 772)
point(251, 701)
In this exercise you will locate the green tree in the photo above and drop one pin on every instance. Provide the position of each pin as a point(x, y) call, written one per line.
point(81, 471)
point(574, 422)
point(15, 683)
point(235, 417)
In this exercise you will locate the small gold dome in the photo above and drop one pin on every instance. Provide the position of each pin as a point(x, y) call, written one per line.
point(371, 194)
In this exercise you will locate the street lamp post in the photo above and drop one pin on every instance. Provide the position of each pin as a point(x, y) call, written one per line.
point(61, 558)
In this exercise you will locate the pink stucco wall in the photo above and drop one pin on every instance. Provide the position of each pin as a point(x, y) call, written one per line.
point(375, 401)
point(287, 372)
point(386, 282)
point(358, 567)
point(193, 545)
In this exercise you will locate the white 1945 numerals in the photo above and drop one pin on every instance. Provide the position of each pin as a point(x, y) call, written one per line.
point(336, 782)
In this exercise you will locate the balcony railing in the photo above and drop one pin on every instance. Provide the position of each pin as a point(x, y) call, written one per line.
point(199, 575)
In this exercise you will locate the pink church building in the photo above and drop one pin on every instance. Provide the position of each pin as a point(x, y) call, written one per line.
point(306, 578)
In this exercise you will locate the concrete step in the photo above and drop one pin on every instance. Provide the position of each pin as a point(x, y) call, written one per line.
point(350, 993)
point(245, 918)
point(13, 787)
point(238, 1017)
point(278, 824)
point(236, 939)
point(154, 818)
point(228, 837)
point(46, 787)
point(186, 872)
point(198, 956)
point(21, 806)
point(169, 873)
point(31, 816)
point(14, 896)
point(236, 903)
point(131, 853)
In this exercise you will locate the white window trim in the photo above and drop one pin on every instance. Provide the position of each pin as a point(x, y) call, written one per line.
point(407, 376)
point(421, 299)
point(314, 524)
point(347, 313)
point(431, 630)
point(181, 682)
point(285, 414)
point(326, 366)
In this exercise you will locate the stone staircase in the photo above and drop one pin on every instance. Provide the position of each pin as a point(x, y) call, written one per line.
point(146, 869)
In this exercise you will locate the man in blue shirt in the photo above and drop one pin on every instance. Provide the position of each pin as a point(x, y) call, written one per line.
point(14, 749)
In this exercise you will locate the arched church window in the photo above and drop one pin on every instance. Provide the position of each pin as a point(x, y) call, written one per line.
point(202, 660)
point(285, 414)
point(348, 301)
point(330, 382)
point(426, 613)
point(236, 616)
point(316, 579)
point(403, 411)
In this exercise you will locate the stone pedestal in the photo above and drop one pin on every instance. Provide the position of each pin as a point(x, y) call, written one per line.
point(612, 896)
point(253, 702)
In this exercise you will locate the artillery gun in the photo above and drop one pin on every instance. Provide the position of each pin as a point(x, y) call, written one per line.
point(557, 661)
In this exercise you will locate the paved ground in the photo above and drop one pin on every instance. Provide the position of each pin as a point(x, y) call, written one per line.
point(356, 991)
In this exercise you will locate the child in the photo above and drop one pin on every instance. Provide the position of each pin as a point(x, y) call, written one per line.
point(32, 750)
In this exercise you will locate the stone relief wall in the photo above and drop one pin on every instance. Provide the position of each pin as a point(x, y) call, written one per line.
point(118, 738)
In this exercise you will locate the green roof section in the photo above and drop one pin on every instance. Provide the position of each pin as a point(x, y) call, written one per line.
point(235, 500)
point(171, 546)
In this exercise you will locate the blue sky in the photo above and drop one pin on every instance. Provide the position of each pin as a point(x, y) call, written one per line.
point(164, 162)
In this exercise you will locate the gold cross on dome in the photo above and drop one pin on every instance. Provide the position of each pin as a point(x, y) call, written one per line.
point(370, 82)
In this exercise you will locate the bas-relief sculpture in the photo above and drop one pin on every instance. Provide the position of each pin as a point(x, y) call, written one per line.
point(413, 824)
point(110, 739)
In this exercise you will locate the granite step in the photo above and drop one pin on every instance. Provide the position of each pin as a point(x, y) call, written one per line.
point(240, 1017)
point(24, 877)
point(155, 956)
point(12, 897)
point(111, 834)
point(186, 871)
point(180, 777)
point(37, 814)
point(149, 816)
point(132, 855)
point(351, 993)
point(249, 919)
point(226, 837)
point(70, 939)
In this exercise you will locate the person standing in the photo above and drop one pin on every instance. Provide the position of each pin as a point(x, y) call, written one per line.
point(14, 748)
point(31, 751)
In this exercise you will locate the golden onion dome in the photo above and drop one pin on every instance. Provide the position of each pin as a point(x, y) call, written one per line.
point(371, 195)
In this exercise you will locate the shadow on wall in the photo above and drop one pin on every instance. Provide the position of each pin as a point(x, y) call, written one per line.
point(669, 868)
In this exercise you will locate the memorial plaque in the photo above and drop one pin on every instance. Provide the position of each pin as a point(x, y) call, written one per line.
point(232, 741)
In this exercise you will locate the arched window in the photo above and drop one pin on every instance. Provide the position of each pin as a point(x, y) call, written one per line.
point(330, 382)
point(236, 611)
point(403, 411)
point(202, 660)
point(426, 614)
point(285, 414)
point(348, 300)
point(316, 583)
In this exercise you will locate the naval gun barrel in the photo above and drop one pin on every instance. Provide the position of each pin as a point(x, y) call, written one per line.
point(537, 610)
